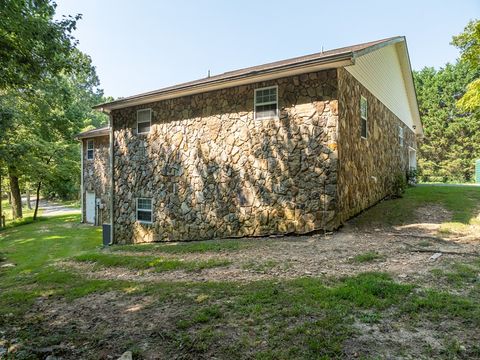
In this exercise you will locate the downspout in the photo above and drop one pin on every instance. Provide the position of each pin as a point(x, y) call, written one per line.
point(81, 180)
point(112, 235)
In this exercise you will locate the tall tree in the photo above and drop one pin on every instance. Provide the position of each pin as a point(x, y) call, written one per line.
point(452, 135)
point(32, 42)
point(33, 46)
point(469, 44)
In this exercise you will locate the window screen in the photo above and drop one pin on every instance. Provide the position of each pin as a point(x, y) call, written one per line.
point(144, 210)
point(266, 103)
point(144, 120)
point(363, 117)
point(90, 149)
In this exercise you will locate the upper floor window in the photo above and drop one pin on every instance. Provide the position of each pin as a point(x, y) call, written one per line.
point(144, 121)
point(363, 117)
point(400, 135)
point(144, 210)
point(266, 103)
point(90, 149)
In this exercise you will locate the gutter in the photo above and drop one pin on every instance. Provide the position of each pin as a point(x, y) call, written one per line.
point(334, 61)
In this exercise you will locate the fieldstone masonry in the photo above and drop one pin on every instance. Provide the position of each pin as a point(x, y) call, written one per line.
point(367, 167)
point(96, 175)
point(212, 170)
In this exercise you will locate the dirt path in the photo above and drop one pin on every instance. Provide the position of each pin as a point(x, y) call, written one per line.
point(50, 208)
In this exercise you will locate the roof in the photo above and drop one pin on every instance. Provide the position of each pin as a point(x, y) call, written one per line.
point(101, 131)
point(302, 64)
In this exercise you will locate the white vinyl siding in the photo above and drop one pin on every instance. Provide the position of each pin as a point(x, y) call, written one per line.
point(380, 72)
point(90, 150)
point(144, 210)
point(266, 103)
point(363, 117)
point(144, 121)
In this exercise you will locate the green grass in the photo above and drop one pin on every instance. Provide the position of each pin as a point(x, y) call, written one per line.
point(369, 256)
point(307, 318)
point(158, 264)
point(463, 202)
point(189, 247)
point(9, 222)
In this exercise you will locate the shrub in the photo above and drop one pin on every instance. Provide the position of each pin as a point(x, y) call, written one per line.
point(399, 185)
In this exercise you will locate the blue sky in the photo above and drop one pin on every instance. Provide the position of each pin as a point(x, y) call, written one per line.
point(143, 45)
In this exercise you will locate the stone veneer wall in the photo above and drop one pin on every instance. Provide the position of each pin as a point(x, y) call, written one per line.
point(214, 171)
point(96, 175)
point(367, 167)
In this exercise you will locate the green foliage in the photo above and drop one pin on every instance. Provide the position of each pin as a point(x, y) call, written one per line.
point(398, 186)
point(369, 256)
point(452, 136)
point(469, 44)
point(32, 43)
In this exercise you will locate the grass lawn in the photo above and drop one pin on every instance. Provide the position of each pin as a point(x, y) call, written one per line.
point(48, 308)
point(27, 215)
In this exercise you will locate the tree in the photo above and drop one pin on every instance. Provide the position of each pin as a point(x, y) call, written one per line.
point(32, 43)
point(452, 135)
point(469, 44)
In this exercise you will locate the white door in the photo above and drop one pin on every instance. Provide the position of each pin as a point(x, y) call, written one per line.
point(90, 207)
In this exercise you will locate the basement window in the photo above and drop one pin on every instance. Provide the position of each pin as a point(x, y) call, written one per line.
point(363, 117)
point(90, 149)
point(144, 121)
point(400, 135)
point(144, 210)
point(266, 103)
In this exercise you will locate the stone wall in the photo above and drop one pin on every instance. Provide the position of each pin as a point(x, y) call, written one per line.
point(367, 167)
point(96, 175)
point(213, 171)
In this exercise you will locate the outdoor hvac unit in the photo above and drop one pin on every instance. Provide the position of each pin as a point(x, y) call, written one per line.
point(106, 228)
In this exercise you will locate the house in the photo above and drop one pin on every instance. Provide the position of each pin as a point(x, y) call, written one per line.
point(287, 147)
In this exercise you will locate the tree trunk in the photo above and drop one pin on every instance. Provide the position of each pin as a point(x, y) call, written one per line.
point(9, 194)
point(29, 206)
point(16, 197)
point(37, 200)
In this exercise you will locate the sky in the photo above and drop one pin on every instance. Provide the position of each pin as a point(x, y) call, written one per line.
point(143, 45)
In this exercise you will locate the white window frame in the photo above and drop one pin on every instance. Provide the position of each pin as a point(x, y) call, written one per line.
point(411, 166)
point(142, 122)
point(145, 210)
point(401, 134)
point(255, 104)
point(90, 141)
point(364, 118)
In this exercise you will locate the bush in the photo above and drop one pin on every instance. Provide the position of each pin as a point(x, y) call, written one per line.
point(399, 185)
point(412, 176)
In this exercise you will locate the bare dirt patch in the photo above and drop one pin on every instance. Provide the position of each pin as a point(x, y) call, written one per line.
point(405, 252)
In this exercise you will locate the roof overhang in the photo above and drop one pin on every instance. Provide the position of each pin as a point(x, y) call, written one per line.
point(104, 131)
point(310, 63)
point(216, 84)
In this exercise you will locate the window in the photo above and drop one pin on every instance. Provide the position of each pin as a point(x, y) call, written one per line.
point(363, 116)
point(400, 135)
point(144, 210)
point(266, 103)
point(144, 121)
point(90, 149)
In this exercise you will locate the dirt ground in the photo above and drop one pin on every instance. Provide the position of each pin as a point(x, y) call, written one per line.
point(404, 251)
